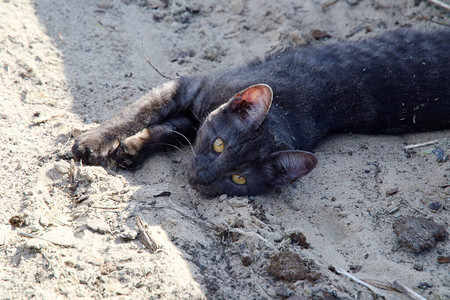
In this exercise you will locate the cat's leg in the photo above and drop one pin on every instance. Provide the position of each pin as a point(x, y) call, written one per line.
point(172, 133)
point(100, 144)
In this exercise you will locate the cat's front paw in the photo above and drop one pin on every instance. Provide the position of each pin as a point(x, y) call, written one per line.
point(95, 146)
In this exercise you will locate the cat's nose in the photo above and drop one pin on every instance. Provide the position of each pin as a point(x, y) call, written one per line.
point(204, 177)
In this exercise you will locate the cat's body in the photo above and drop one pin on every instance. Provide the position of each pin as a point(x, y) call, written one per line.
point(396, 83)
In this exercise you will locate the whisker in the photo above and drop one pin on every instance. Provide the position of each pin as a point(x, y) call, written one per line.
point(195, 115)
point(189, 142)
point(166, 144)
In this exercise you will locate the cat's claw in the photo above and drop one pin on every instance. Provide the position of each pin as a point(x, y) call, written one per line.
point(95, 147)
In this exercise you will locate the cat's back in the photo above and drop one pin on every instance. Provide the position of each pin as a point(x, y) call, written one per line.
point(406, 45)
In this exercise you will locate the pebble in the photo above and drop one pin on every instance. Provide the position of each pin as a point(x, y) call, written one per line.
point(95, 259)
point(246, 260)
point(34, 228)
point(391, 192)
point(36, 244)
point(424, 285)
point(237, 6)
point(297, 39)
point(98, 225)
point(62, 167)
point(223, 197)
point(128, 234)
point(284, 292)
point(75, 132)
point(44, 221)
point(62, 236)
point(352, 2)
point(435, 206)
point(318, 34)
point(238, 202)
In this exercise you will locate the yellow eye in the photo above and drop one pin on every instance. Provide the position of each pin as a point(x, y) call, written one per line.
point(218, 145)
point(238, 179)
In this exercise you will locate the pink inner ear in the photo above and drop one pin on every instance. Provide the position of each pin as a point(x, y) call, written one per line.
point(253, 103)
point(291, 165)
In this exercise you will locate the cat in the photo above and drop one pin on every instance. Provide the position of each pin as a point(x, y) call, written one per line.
point(258, 123)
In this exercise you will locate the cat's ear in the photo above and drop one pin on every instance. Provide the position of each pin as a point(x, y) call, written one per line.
point(252, 104)
point(288, 166)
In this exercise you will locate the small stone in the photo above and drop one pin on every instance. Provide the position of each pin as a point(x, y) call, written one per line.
point(223, 197)
point(298, 238)
point(44, 221)
point(17, 220)
point(284, 292)
point(62, 167)
point(163, 194)
point(318, 34)
point(62, 236)
point(98, 225)
point(128, 235)
point(352, 2)
point(246, 260)
point(354, 268)
point(107, 268)
point(95, 259)
point(36, 244)
point(34, 228)
point(441, 155)
point(391, 192)
point(123, 291)
point(75, 132)
point(238, 202)
point(418, 267)
point(297, 38)
point(237, 6)
point(435, 206)
point(424, 285)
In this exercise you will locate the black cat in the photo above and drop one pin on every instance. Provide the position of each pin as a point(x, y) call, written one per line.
point(396, 83)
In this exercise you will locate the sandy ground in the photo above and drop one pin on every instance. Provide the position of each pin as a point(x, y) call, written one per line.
point(66, 65)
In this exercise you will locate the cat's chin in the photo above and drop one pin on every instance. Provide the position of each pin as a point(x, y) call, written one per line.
point(202, 189)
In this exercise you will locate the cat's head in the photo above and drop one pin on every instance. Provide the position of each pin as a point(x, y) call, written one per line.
point(235, 154)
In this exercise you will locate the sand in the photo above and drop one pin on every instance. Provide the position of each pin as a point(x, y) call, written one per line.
point(69, 231)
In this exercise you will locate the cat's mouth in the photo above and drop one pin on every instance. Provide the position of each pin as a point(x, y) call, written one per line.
point(201, 181)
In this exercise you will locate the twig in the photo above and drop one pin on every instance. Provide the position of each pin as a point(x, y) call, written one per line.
point(441, 4)
point(405, 290)
point(395, 286)
point(325, 6)
point(32, 236)
point(73, 172)
point(145, 236)
point(195, 220)
point(443, 259)
point(47, 118)
point(253, 234)
point(109, 207)
point(151, 65)
point(409, 147)
point(370, 287)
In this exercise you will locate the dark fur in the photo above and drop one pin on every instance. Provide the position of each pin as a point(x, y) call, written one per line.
point(395, 83)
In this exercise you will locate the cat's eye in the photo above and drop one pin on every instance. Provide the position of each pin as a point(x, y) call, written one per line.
point(238, 179)
point(218, 145)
